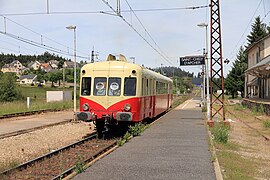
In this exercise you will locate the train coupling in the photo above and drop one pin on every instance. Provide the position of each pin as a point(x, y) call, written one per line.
point(84, 116)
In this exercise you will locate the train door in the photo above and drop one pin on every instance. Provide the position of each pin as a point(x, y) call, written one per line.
point(151, 97)
point(168, 95)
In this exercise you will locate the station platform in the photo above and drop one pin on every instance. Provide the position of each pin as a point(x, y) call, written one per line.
point(174, 147)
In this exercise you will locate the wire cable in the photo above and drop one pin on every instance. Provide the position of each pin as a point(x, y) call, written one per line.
point(245, 30)
point(98, 12)
point(43, 46)
point(147, 31)
point(135, 30)
point(41, 35)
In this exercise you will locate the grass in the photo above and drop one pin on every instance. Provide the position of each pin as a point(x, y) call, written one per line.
point(239, 107)
point(37, 101)
point(15, 107)
point(220, 132)
point(266, 124)
point(235, 166)
point(234, 161)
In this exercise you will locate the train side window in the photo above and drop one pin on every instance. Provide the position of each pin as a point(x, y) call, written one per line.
point(114, 86)
point(86, 86)
point(100, 84)
point(147, 87)
point(130, 87)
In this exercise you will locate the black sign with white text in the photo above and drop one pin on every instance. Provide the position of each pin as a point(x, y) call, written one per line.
point(192, 60)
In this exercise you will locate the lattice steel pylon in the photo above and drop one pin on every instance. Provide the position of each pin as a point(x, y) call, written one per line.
point(216, 64)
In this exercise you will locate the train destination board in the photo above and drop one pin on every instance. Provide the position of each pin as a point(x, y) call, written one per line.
point(192, 60)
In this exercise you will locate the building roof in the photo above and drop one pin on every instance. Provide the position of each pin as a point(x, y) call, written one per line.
point(261, 68)
point(28, 76)
point(32, 63)
point(257, 42)
point(69, 64)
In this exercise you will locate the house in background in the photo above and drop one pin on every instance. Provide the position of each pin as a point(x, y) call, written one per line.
point(54, 63)
point(68, 65)
point(257, 79)
point(257, 76)
point(46, 67)
point(34, 64)
point(14, 67)
point(28, 79)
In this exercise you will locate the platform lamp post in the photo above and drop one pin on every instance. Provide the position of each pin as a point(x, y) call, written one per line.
point(72, 27)
point(204, 25)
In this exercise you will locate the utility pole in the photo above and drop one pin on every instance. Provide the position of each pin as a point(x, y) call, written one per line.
point(118, 9)
point(92, 56)
point(216, 64)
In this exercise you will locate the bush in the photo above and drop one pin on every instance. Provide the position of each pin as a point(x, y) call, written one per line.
point(239, 107)
point(204, 108)
point(8, 88)
point(221, 133)
point(266, 124)
point(137, 129)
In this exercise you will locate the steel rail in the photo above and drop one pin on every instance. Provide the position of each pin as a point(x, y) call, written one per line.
point(88, 160)
point(48, 155)
point(245, 123)
point(16, 133)
point(27, 113)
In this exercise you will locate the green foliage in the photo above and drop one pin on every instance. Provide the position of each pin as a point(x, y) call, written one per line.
point(220, 133)
point(8, 88)
point(239, 107)
point(266, 124)
point(204, 108)
point(235, 80)
point(79, 166)
point(258, 31)
point(26, 59)
point(127, 136)
point(137, 129)
point(258, 110)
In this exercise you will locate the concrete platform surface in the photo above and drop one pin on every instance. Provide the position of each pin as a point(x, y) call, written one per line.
point(174, 147)
point(14, 124)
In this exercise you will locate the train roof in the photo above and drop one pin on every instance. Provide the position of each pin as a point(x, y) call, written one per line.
point(123, 65)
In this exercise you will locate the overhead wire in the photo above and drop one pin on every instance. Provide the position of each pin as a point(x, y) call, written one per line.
point(135, 30)
point(98, 12)
point(43, 46)
point(248, 25)
point(147, 31)
point(41, 35)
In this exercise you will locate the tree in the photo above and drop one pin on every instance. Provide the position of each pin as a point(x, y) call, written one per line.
point(258, 31)
point(50, 76)
point(8, 89)
point(235, 80)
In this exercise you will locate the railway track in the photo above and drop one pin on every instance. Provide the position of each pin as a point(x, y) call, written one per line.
point(62, 162)
point(249, 126)
point(27, 113)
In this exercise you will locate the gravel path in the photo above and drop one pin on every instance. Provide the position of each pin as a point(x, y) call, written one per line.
point(18, 149)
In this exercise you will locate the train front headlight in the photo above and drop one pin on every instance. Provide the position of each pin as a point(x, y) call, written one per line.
point(127, 107)
point(85, 107)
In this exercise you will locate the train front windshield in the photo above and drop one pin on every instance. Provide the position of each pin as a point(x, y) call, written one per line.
point(103, 86)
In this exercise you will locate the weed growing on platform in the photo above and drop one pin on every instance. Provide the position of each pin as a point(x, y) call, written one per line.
point(79, 166)
point(204, 108)
point(266, 124)
point(220, 133)
point(137, 129)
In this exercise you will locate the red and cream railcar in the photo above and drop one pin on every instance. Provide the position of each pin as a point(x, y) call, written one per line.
point(117, 91)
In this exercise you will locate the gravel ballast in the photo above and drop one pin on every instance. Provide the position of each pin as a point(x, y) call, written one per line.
point(18, 149)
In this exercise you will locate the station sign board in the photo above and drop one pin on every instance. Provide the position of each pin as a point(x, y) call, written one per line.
point(192, 60)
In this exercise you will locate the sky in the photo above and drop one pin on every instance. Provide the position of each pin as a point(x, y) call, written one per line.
point(173, 33)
